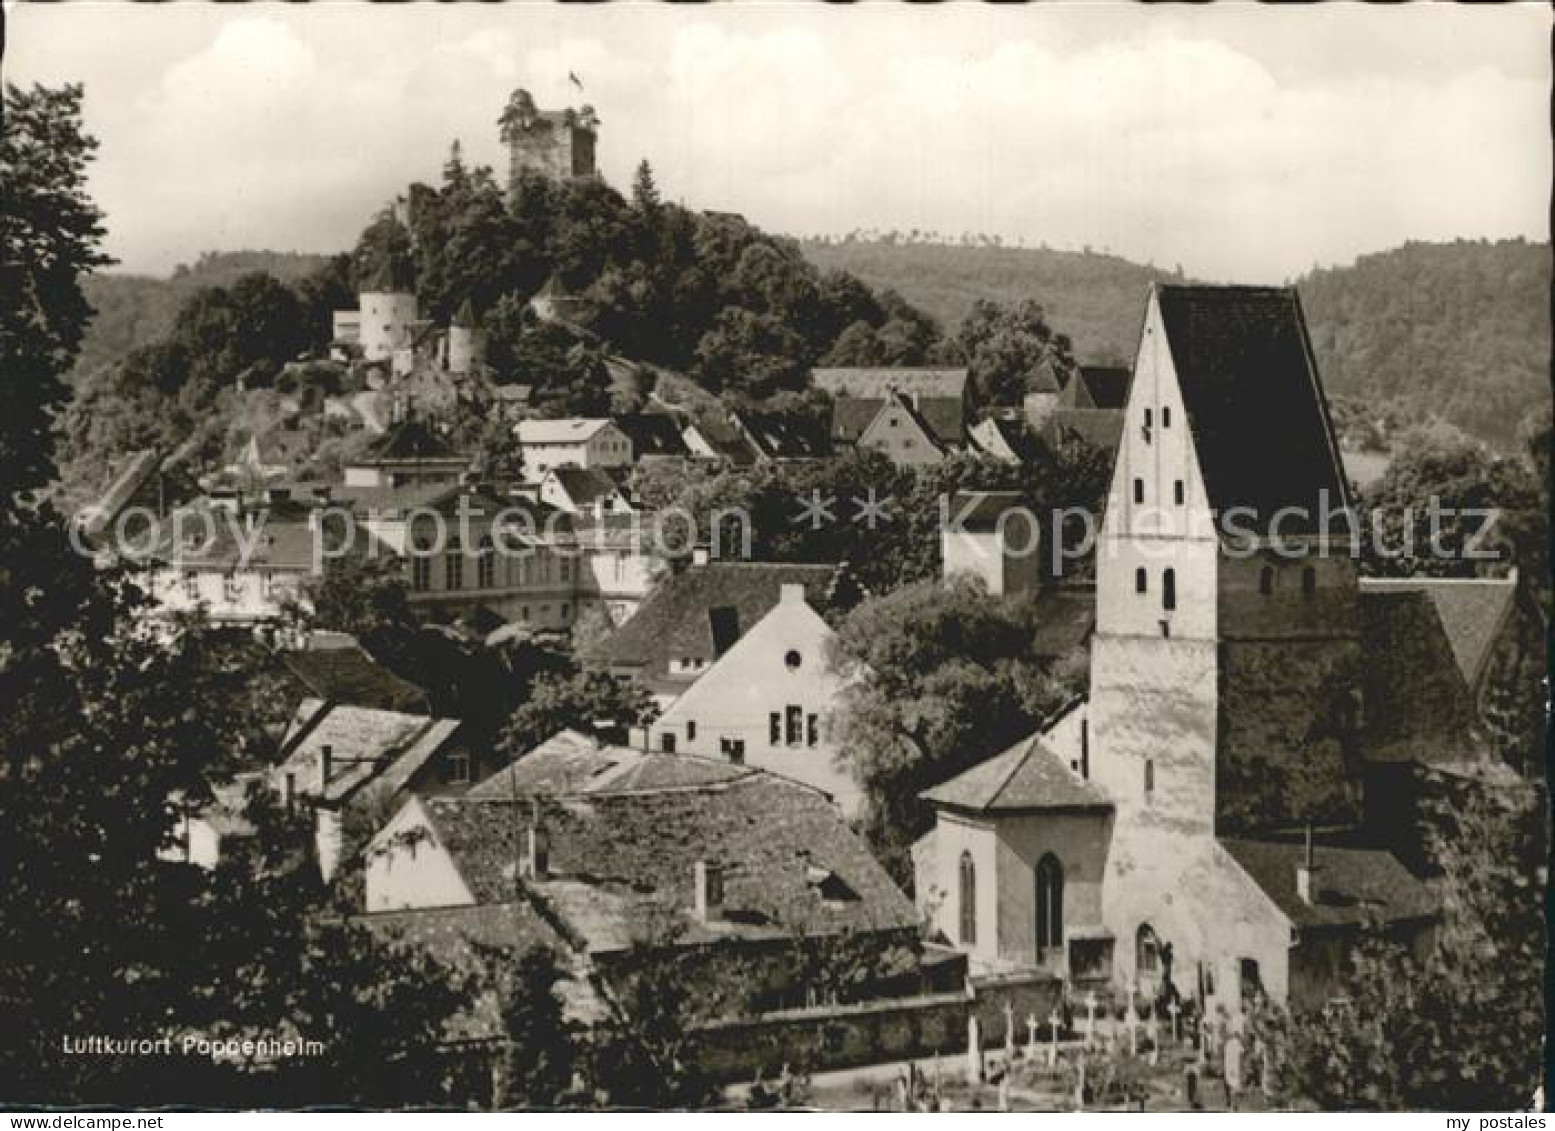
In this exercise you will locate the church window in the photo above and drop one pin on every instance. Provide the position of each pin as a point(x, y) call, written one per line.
point(691, 730)
point(1050, 904)
point(1266, 580)
point(1178, 494)
point(1308, 581)
point(1147, 951)
point(1149, 779)
point(1166, 416)
point(1147, 418)
point(968, 900)
point(1141, 580)
point(1139, 490)
point(1169, 589)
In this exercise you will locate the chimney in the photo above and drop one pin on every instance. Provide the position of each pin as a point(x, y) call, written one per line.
point(537, 851)
point(326, 764)
point(699, 555)
point(709, 891)
point(1306, 873)
point(789, 592)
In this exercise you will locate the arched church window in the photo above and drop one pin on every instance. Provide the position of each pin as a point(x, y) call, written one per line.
point(1147, 951)
point(968, 899)
point(1141, 580)
point(1169, 589)
point(1149, 778)
point(1050, 905)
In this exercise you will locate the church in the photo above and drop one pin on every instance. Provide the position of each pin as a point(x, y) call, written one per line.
point(1215, 808)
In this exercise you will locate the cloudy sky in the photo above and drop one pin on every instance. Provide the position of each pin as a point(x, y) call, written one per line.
point(1242, 142)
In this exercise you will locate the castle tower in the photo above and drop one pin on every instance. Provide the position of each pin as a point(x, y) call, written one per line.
point(387, 305)
point(466, 341)
point(554, 143)
point(1222, 656)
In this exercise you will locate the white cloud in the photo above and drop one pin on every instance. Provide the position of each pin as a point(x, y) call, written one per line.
point(1192, 137)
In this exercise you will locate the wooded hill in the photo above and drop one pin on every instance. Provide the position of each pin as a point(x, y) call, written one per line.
point(1456, 330)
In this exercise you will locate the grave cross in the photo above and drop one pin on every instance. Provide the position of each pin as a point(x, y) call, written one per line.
point(1031, 1035)
point(1175, 1010)
point(1090, 1016)
point(1053, 1020)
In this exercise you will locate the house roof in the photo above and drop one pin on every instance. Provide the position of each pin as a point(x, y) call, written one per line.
point(137, 469)
point(568, 430)
point(1356, 883)
point(784, 437)
point(941, 418)
point(1472, 612)
point(1099, 427)
point(1026, 778)
point(1003, 439)
point(727, 440)
point(873, 382)
point(583, 485)
point(284, 540)
point(571, 763)
point(1417, 704)
point(622, 864)
point(652, 434)
point(1099, 387)
point(1254, 402)
point(981, 510)
point(350, 676)
point(366, 745)
point(412, 439)
point(675, 622)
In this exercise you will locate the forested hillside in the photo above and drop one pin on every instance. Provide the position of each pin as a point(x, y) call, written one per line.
point(1097, 300)
point(135, 309)
point(1458, 330)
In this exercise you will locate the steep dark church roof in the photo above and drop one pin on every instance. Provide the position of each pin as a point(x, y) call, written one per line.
point(1472, 611)
point(1098, 387)
point(1254, 401)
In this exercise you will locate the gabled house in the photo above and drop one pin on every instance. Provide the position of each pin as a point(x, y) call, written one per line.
point(652, 435)
point(1206, 811)
point(571, 442)
point(899, 431)
point(337, 759)
point(583, 491)
point(939, 396)
point(1090, 408)
point(630, 857)
point(410, 452)
point(696, 615)
point(767, 701)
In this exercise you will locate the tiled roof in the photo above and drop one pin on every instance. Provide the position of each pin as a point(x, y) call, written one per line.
point(410, 439)
point(675, 621)
point(365, 745)
point(1028, 777)
point(1417, 705)
point(1472, 612)
point(1355, 884)
point(570, 763)
point(781, 437)
point(1254, 401)
point(95, 517)
point(873, 382)
point(622, 864)
point(981, 510)
point(728, 441)
point(284, 541)
point(1098, 386)
point(652, 434)
point(570, 430)
point(350, 676)
point(942, 418)
point(1099, 427)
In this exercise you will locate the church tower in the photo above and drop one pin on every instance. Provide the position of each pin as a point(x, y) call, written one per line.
point(1223, 660)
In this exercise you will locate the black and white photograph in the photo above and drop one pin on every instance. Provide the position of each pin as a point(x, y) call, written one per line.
point(774, 556)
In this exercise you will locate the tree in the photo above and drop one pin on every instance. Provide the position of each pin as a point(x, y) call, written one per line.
point(1005, 345)
point(941, 678)
point(645, 193)
point(584, 700)
point(543, 1049)
point(50, 237)
point(1461, 1028)
point(644, 1057)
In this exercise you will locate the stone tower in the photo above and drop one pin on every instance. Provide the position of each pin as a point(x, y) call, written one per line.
point(554, 143)
point(466, 341)
point(1225, 646)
